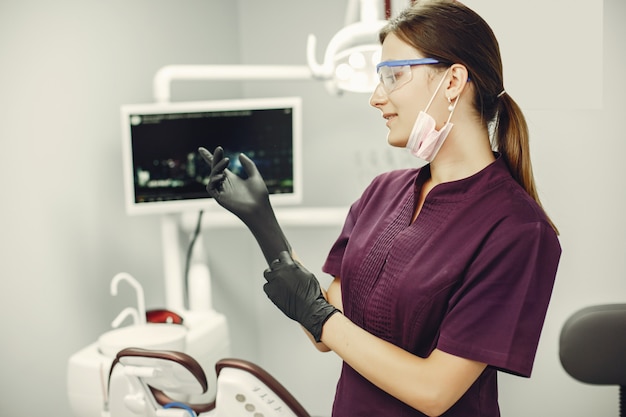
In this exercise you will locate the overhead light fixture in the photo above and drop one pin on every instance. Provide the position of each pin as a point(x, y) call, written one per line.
point(349, 62)
point(352, 54)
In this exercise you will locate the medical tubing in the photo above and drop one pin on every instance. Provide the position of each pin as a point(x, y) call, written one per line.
point(190, 252)
point(181, 405)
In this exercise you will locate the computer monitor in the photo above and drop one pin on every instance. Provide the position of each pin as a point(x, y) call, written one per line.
point(163, 171)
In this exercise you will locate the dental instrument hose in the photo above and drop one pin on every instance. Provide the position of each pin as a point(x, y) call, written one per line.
point(190, 252)
point(181, 405)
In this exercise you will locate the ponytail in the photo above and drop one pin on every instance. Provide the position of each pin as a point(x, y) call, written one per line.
point(512, 141)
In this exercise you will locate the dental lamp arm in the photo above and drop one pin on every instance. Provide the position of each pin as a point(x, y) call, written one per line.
point(248, 199)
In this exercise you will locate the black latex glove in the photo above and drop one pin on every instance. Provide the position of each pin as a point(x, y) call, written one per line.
point(297, 293)
point(248, 199)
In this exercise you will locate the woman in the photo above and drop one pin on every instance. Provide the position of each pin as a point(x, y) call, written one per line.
point(443, 274)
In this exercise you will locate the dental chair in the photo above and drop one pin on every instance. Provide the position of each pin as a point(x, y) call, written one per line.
point(157, 383)
point(592, 347)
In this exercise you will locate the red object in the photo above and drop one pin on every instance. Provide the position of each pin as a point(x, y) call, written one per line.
point(163, 316)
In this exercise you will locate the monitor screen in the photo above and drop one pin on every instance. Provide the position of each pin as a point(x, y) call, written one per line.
point(163, 171)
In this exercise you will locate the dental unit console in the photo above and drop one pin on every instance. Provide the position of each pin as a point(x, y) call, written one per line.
point(170, 365)
point(203, 335)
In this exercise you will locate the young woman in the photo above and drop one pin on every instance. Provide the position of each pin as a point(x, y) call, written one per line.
point(443, 274)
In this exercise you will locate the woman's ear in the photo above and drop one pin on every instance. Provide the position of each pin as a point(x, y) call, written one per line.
point(458, 80)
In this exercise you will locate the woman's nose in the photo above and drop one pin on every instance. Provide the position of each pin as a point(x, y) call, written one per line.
point(378, 97)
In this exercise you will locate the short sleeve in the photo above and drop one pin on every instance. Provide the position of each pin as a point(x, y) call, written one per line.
point(497, 312)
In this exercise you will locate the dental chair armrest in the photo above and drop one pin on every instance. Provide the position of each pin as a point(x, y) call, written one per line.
point(267, 379)
point(184, 374)
point(187, 366)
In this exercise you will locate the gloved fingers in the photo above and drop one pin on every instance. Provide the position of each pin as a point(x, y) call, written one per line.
point(218, 156)
point(267, 289)
point(206, 155)
point(216, 182)
point(283, 261)
point(282, 297)
point(220, 166)
point(269, 275)
point(293, 263)
point(214, 159)
point(248, 165)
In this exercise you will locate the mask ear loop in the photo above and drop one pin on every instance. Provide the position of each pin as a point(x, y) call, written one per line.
point(436, 91)
point(452, 108)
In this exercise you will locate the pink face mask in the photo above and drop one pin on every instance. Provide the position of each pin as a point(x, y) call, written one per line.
point(425, 141)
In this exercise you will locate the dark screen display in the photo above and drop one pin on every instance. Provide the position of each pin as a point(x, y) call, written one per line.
point(167, 165)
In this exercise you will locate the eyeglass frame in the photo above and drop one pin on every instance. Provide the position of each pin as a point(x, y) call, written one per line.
point(402, 63)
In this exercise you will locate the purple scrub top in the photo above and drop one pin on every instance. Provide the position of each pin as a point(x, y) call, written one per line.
point(472, 276)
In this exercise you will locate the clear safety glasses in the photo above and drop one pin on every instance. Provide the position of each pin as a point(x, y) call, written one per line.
point(394, 74)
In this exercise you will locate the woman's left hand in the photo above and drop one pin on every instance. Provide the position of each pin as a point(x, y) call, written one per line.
point(297, 293)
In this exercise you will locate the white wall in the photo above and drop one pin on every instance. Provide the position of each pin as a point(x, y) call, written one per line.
point(67, 66)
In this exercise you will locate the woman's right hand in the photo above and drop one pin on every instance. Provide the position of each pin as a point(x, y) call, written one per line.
point(242, 197)
point(247, 199)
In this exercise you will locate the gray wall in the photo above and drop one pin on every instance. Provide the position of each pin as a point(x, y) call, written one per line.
point(67, 66)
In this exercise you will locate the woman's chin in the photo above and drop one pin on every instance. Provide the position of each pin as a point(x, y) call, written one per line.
point(396, 143)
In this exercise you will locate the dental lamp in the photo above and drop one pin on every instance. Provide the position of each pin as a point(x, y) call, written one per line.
point(352, 54)
point(349, 60)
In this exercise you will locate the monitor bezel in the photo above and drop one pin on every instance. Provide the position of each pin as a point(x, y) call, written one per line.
point(182, 206)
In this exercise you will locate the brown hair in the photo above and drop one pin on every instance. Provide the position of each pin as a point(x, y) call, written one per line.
point(452, 33)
